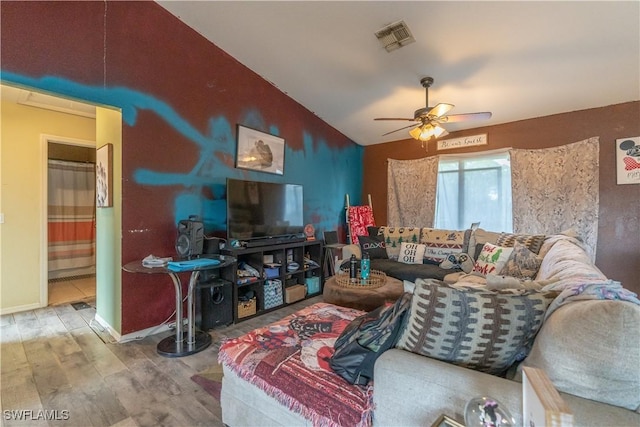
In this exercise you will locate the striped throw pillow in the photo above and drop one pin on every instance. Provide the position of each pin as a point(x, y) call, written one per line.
point(475, 328)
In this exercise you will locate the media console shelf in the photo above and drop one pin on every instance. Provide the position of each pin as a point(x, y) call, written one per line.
point(271, 264)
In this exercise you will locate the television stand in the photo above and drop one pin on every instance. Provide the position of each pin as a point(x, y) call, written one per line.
point(279, 265)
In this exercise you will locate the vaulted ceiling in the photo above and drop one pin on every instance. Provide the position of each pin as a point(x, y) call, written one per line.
point(516, 59)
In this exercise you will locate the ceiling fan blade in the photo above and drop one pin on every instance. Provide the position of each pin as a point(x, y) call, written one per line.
point(454, 118)
point(402, 128)
point(440, 110)
point(394, 118)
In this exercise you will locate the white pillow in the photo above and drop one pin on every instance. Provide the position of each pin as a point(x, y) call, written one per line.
point(411, 253)
point(492, 259)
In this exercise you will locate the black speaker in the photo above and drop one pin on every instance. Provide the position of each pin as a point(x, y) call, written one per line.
point(214, 307)
point(190, 237)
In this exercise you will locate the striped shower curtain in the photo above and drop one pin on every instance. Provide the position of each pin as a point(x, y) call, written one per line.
point(71, 218)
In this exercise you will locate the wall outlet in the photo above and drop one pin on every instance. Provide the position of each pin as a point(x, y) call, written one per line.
point(1, 218)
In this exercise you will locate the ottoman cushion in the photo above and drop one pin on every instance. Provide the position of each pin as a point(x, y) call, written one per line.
point(362, 298)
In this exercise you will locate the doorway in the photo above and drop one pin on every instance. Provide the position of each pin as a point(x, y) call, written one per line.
point(70, 217)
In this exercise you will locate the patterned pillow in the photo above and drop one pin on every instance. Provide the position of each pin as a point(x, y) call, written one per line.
point(492, 259)
point(522, 263)
point(440, 243)
point(374, 246)
point(460, 261)
point(484, 330)
point(394, 236)
point(532, 242)
point(411, 253)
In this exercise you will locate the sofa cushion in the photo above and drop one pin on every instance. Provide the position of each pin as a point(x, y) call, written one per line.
point(522, 263)
point(411, 253)
point(394, 236)
point(409, 272)
point(440, 243)
point(475, 328)
point(590, 349)
point(481, 236)
point(532, 242)
point(492, 259)
point(374, 246)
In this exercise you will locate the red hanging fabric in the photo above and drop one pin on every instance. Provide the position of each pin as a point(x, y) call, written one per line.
point(360, 217)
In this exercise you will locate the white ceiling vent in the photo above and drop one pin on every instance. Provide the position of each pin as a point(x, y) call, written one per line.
point(394, 36)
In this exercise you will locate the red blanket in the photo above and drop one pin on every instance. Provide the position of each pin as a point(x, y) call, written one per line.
point(289, 360)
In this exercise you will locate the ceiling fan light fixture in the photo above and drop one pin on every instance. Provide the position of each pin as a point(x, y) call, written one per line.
point(415, 132)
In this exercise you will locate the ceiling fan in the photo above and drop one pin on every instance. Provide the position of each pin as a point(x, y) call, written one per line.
point(429, 119)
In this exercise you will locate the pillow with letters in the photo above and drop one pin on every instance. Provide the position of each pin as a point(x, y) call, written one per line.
point(440, 243)
point(411, 253)
point(374, 246)
point(492, 259)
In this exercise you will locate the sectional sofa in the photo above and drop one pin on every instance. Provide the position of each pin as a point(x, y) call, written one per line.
point(585, 339)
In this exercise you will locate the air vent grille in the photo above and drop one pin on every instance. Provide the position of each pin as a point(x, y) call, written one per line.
point(394, 36)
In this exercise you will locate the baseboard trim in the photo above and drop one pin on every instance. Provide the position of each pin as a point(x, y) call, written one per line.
point(19, 308)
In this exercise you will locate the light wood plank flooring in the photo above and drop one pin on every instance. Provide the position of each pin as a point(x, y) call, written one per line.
point(54, 363)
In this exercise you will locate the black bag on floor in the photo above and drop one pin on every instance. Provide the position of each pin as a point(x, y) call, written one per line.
point(366, 338)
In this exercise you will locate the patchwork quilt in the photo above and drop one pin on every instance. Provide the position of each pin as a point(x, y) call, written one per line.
point(289, 360)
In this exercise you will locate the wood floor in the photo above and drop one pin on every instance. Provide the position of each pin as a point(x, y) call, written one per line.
point(55, 365)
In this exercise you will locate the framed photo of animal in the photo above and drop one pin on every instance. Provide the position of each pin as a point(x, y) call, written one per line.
point(259, 151)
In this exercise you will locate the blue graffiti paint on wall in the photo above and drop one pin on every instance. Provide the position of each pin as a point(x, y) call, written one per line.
point(326, 174)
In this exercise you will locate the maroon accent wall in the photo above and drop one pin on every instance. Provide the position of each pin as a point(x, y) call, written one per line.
point(618, 252)
point(140, 47)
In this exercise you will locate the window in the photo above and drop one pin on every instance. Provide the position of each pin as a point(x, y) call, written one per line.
point(474, 188)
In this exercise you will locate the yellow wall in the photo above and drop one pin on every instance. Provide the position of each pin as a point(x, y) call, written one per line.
point(21, 197)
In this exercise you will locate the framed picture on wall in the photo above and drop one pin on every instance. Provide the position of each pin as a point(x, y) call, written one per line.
point(104, 176)
point(259, 151)
point(628, 160)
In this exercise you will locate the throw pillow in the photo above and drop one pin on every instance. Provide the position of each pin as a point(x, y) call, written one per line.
point(475, 328)
point(411, 253)
point(440, 243)
point(395, 236)
point(374, 246)
point(461, 261)
point(522, 263)
point(492, 259)
point(533, 242)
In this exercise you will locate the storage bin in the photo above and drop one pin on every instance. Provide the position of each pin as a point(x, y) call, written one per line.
point(295, 293)
point(247, 308)
point(313, 284)
point(272, 272)
point(273, 293)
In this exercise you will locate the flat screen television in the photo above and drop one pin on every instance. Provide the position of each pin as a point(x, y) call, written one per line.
point(263, 210)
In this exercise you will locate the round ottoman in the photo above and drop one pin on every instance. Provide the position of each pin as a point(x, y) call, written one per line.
point(362, 298)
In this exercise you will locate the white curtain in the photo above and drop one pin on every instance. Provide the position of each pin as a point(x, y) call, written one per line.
point(556, 189)
point(71, 218)
point(411, 192)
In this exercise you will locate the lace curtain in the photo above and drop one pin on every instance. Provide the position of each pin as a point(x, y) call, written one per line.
point(411, 192)
point(555, 189)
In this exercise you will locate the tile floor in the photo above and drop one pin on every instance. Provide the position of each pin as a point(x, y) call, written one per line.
point(72, 290)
